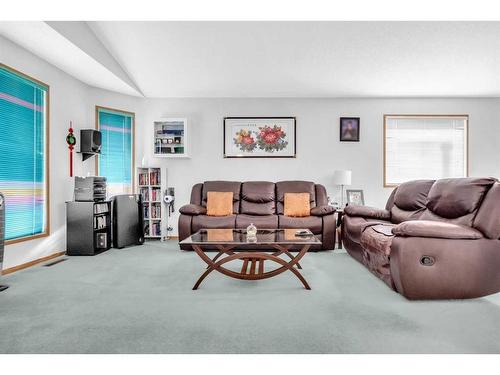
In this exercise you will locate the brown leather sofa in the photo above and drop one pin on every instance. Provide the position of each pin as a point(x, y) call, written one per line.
point(434, 239)
point(261, 203)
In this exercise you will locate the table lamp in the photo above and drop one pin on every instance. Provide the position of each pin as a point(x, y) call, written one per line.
point(342, 178)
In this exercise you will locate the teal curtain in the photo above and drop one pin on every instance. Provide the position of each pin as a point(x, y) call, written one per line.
point(115, 161)
point(23, 109)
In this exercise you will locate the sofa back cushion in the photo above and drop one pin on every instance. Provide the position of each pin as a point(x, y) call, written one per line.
point(283, 187)
point(321, 195)
point(409, 200)
point(221, 186)
point(390, 200)
point(456, 200)
point(258, 198)
point(196, 194)
point(488, 216)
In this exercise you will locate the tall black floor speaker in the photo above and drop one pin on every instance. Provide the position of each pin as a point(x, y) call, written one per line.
point(128, 227)
point(2, 237)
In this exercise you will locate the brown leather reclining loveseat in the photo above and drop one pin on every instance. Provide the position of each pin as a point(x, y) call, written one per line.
point(261, 203)
point(434, 239)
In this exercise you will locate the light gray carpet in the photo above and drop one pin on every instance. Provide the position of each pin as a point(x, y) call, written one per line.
point(139, 300)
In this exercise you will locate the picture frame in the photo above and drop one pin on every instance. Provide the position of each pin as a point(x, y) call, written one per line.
point(355, 197)
point(349, 129)
point(259, 137)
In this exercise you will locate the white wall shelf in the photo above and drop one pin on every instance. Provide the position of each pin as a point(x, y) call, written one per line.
point(171, 138)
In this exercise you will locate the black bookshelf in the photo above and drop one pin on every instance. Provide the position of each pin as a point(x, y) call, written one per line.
point(85, 222)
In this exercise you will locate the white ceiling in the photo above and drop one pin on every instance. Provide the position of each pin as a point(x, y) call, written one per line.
point(77, 52)
point(306, 59)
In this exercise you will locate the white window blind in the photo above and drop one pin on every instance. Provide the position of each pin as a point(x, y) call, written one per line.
point(24, 105)
point(425, 147)
point(116, 159)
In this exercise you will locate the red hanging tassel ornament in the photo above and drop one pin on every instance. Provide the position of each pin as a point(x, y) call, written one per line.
point(71, 141)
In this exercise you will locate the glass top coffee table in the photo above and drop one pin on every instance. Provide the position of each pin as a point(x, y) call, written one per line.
point(267, 246)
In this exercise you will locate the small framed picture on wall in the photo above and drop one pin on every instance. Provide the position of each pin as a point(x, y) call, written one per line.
point(355, 197)
point(349, 129)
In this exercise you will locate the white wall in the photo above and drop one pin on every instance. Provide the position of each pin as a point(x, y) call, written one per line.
point(72, 100)
point(319, 151)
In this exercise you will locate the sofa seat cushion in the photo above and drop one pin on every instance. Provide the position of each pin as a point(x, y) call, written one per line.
point(261, 222)
point(207, 222)
point(354, 226)
point(313, 223)
point(377, 238)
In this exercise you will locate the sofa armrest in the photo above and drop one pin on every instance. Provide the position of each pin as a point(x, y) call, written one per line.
point(435, 229)
point(193, 210)
point(366, 211)
point(322, 210)
point(438, 268)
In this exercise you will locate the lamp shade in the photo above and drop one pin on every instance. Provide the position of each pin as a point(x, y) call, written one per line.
point(342, 177)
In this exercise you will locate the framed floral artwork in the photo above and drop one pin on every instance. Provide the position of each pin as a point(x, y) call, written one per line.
point(259, 137)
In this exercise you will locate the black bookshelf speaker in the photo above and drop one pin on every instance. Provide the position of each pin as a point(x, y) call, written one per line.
point(128, 228)
point(2, 236)
point(90, 140)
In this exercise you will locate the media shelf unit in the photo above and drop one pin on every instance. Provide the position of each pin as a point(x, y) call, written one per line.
point(171, 138)
point(85, 222)
point(150, 185)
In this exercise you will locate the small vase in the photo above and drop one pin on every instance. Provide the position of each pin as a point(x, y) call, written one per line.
point(251, 230)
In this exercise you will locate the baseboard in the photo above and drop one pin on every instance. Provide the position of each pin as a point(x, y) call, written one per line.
point(32, 263)
point(173, 238)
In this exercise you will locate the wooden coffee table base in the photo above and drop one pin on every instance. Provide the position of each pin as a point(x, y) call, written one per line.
point(253, 263)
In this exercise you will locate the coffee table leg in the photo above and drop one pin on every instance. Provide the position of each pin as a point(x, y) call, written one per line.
point(301, 278)
point(202, 277)
point(253, 256)
point(284, 250)
point(295, 261)
point(222, 250)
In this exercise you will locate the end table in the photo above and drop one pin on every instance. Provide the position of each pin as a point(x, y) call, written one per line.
point(340, 226)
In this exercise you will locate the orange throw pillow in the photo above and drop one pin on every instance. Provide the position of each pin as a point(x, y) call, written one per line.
point(297, 204)
point(219, 203)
